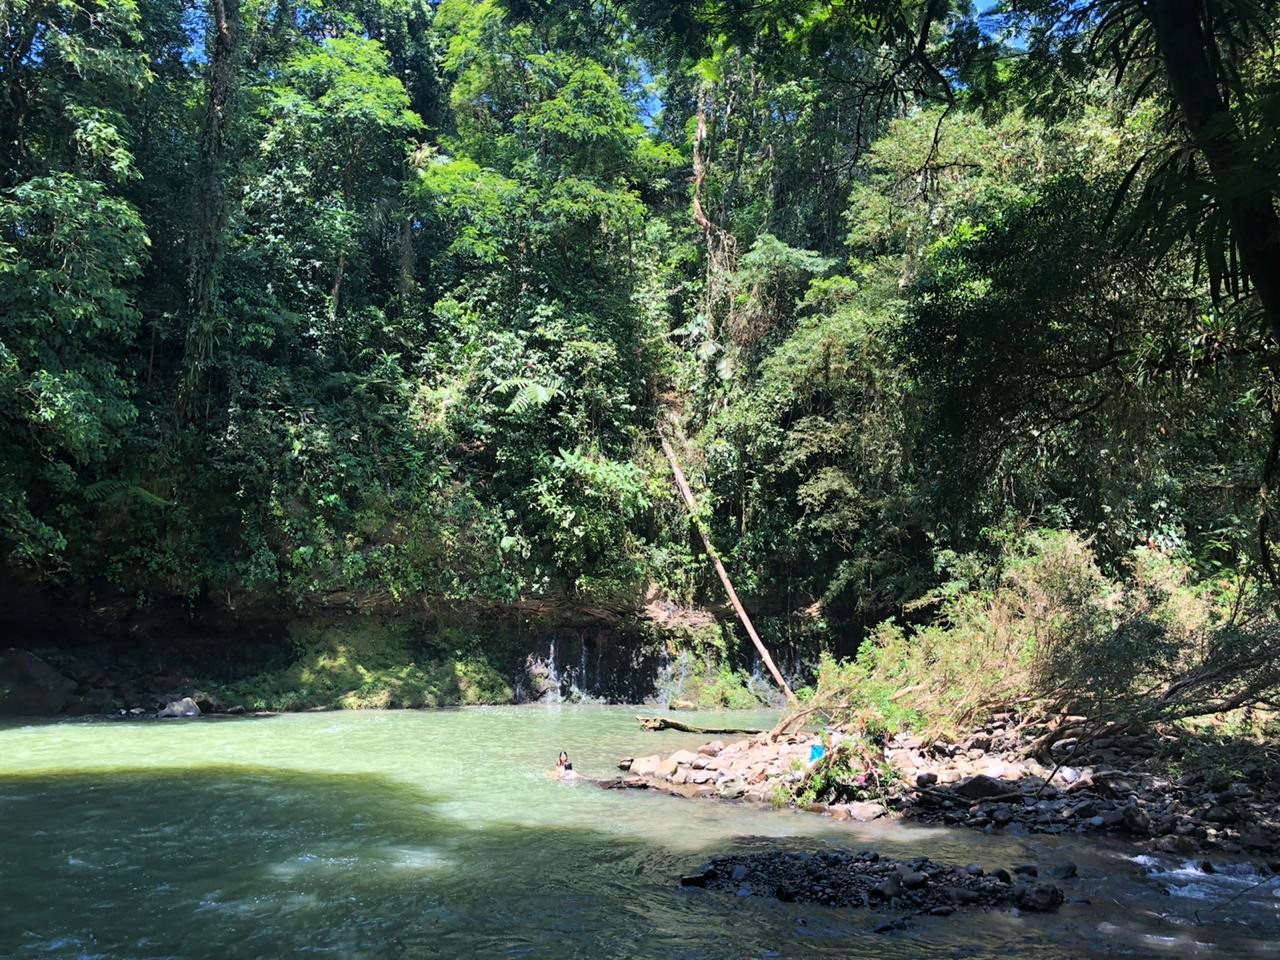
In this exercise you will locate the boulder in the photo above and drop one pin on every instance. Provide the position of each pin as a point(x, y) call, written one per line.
point(1038, 898)
point(888, 888)
point(645, 766)
point(684, 757)
point(867, 810)
point(186, 707)
point(1114, 785)
point(96, 700)
point(1085, 809)
point(1221, 813)
point(914, 880)
point(981, 787)
point(30, 687)
point(1137, 821)
point(732, 790)
point(667, 768)
point(207, 702)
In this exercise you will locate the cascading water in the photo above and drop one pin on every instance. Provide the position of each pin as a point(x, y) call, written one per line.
point(554, 692)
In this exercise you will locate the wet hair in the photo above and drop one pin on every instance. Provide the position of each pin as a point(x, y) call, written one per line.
point(563, 756)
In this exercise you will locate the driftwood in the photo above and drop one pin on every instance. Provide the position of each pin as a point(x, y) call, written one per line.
point(664, 723)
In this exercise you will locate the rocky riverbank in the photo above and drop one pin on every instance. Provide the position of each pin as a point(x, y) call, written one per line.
point(1157, 790)
point(840, 878)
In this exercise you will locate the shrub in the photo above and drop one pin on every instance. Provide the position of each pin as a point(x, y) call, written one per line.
point(1052, 636)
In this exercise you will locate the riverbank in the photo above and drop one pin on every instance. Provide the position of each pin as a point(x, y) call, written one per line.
point(1174, 791)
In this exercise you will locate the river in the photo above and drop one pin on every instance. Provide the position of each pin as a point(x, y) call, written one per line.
point(439, 834)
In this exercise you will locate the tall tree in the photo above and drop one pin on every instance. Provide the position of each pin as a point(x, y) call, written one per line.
point(210, 202)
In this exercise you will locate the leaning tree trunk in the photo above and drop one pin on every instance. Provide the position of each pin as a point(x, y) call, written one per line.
point(692, 506)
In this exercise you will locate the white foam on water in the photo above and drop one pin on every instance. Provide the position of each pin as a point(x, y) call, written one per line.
point(307, 863)
point(1189, 881)
point(417, 858)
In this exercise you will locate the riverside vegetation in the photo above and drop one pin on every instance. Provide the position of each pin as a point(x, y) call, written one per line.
point(341, 337)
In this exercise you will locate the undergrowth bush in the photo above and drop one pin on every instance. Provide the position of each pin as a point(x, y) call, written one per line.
point(1050, 635)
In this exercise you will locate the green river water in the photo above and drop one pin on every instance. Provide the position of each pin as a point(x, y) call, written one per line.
point(439, 834)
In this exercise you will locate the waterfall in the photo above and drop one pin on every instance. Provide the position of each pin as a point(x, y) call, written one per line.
point(664, 677)
point(555, 695)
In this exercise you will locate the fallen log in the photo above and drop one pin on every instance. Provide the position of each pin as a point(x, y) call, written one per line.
point(665, 723)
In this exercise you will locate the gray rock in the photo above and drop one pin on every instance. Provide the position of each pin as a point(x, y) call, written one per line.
point(981, 787)
point(888, 888)
point(30, 687)
point(927, 779)
point(1039, 898)
point(862, 812)
point(186, 707)
point(645, 766)
point(732, 790)
point(207, 702)
point(1219, 813)
point(1137, 821)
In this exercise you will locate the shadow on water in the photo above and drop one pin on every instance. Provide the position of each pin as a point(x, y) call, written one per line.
point(246, 862)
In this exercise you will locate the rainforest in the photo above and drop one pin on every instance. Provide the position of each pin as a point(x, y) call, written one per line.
point(902, 371)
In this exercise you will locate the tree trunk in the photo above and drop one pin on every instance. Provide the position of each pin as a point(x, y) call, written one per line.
point(407, 258)
point(692, 506)
point(336, 291)
point(210, 214)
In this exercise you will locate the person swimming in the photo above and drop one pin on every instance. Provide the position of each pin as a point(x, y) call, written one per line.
point(564, 769)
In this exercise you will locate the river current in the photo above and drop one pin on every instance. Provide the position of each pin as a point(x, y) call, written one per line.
point(439, 834)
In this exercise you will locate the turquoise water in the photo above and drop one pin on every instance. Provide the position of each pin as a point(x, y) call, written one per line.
point(439, 834)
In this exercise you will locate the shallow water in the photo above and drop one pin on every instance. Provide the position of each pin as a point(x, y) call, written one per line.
point(439, 834)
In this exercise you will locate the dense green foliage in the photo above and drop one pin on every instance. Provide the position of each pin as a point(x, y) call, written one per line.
point(382, 302)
